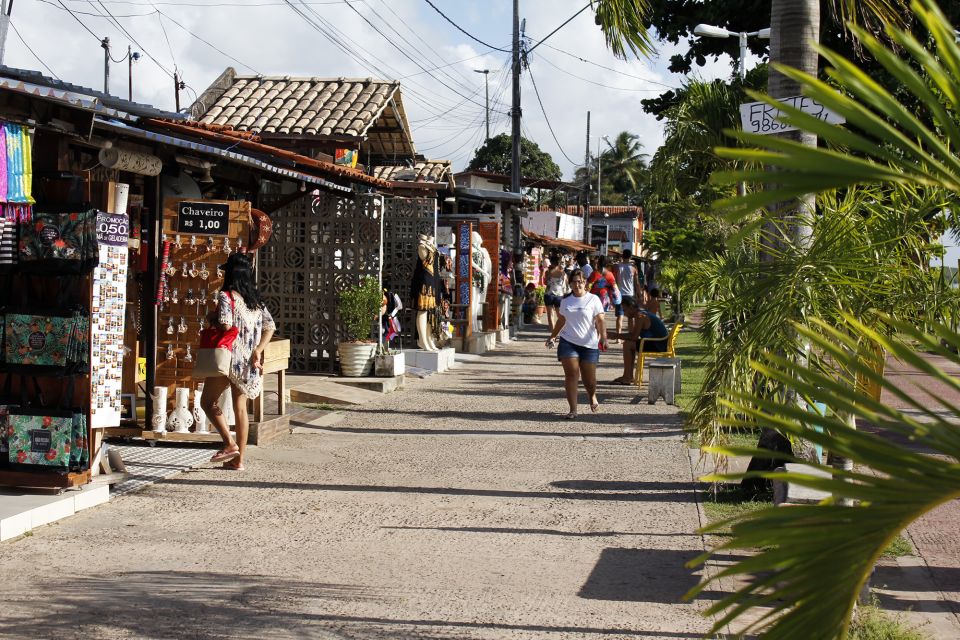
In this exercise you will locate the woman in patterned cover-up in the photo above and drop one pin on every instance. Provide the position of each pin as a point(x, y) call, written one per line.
point(238, 305)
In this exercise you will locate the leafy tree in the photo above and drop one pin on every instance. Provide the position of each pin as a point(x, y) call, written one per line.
point(496, 156)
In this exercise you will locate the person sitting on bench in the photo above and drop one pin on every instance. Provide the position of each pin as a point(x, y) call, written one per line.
point(642, 324)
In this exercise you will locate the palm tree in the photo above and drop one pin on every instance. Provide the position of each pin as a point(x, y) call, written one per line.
point(623, 164)
point(816, 558)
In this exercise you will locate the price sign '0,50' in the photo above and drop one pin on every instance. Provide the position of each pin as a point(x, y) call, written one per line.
point(208, 218)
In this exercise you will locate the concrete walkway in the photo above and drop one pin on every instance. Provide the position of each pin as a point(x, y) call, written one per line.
point(460, 507)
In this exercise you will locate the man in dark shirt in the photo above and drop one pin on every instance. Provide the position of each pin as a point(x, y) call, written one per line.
point(642, 324)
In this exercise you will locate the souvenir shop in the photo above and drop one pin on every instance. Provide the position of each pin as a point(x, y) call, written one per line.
point(111, 237)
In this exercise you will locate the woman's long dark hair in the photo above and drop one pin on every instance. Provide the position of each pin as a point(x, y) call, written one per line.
point(238, 276)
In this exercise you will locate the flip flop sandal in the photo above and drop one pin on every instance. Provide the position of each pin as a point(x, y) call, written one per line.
point(224, 456)
point(570, 416)
point(233, 467)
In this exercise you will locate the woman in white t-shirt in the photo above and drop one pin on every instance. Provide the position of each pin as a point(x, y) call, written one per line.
point(582, 336)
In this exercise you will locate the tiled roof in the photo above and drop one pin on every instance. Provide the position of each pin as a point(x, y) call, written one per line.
point(423, 171)
point(303, 162)
point(612, 211)
point(301, 106)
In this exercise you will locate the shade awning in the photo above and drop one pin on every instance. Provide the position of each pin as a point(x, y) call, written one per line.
point(560, 243)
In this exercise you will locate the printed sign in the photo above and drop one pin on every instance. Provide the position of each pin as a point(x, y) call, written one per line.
point(112, 228)
point(760, 117)
point(208, 218)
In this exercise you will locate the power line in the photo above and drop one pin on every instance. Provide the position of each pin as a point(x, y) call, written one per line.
point(173, 58)
point(131, 38)
point(79, 20)
point(463, 31)
point(545, 117)
point(214, 4)
point(223, 53)
point(597, 64)
point(96, 15)
point(42, 63)
point(565, 23)
point(599, 84)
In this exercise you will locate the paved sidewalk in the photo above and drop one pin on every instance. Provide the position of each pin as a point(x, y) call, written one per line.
point(460, 507)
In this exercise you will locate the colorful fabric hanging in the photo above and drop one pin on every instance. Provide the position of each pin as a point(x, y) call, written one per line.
point(17, 194)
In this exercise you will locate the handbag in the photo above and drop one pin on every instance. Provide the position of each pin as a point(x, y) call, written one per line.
point(48, 438)
point(215, 352)
point(55, 243)
point(50, 340)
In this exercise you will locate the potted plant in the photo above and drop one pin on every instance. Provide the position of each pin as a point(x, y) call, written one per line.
point(389, 363)
point(539, 295)
point(358, 309)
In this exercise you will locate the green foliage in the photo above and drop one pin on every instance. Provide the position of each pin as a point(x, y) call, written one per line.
point(870, 623)
point(496, 156)
point(796, 575)
point(724, 503)
point(358, 308)
point(898, 548)
point(693, 353)
point(539, 295)
point(623, 27)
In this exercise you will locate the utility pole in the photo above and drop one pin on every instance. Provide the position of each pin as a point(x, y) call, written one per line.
point(599, 168)
point(176, 90)
point(515, 110)
point(105, 43)
point(586, 186)
point(486, 85)
point(5, 8)
point(129, 74)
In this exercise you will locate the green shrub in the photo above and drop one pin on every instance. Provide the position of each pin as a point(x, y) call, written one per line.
point(539, 295)
point(358, 309)
point(870, 623)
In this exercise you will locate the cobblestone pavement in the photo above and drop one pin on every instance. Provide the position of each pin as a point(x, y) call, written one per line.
point(935, 534)
point(460, 507)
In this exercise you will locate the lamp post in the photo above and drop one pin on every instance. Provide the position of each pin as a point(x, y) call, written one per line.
point(486, 85)
point(599, 153)
point(710, 31)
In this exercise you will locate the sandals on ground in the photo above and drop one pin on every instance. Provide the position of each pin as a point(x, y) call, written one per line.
point(225, 455)
point(571, 415)
point(232, 466)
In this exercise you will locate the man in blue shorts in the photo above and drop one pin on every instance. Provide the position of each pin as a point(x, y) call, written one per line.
point(642, 324)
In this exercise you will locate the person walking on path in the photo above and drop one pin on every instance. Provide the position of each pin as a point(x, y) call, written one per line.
point(582, 335)
point(556, 289)
point(238, 305)
point(628, 280)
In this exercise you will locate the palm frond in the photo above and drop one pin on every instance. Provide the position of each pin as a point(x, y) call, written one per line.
point(818, 556)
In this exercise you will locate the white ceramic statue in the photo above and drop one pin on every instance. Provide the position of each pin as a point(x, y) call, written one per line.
point(482, 273)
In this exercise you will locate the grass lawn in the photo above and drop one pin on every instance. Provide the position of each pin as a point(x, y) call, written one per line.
point(729, 501)
point(693, 354)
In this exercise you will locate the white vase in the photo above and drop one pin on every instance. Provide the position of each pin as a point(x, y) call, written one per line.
point(180, 419)
point(159, 421)
point(356, 358)
point(226, 406)
point(199, 417)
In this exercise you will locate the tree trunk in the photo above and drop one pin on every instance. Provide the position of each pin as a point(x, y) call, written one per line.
point(794, 29)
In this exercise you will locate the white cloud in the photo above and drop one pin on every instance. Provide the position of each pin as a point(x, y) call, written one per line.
point(445, 106)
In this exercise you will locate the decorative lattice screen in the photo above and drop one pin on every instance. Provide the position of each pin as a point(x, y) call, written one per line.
point(321, 244)
point(404, 219)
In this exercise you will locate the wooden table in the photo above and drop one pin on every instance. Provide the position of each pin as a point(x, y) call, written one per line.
point(276, 359)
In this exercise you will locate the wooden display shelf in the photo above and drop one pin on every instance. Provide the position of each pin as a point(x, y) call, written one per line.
point(43, 479)
point(173, 436)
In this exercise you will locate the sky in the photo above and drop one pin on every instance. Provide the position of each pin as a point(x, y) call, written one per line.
point(200, 38)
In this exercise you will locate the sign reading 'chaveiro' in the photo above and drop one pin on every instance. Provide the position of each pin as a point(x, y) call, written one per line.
point(760, 117)
point(209, 218)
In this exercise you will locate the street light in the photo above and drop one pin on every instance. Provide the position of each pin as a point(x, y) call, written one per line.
point(599, 153)
point(710, 31)
point(486, 84)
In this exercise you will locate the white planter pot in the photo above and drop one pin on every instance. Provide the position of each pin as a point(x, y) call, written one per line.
point(390, 366)
point(356, 358)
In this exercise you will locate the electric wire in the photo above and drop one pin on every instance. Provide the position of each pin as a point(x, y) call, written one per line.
point(173, 58)
point(96, 15)
point(277, 3)
point(599, 84)
point(209, 44)
point(597, 64)
point(123, 30)
point(408, 56)
point(24, 41)
point(565, 23)
point(75, 17)
point(463, 31)
point(547, 118)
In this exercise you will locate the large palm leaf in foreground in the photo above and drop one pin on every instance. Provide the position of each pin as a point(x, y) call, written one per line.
point(814, 559)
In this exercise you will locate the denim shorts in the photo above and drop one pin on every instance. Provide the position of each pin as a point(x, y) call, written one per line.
point(618, 310)
point(551, 300)
point(567, 349)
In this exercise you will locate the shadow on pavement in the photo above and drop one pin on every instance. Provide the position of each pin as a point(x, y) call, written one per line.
point(641, 575)
point(159, 605)
point(547, 532)
point(666, 496)
point(653, 433)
